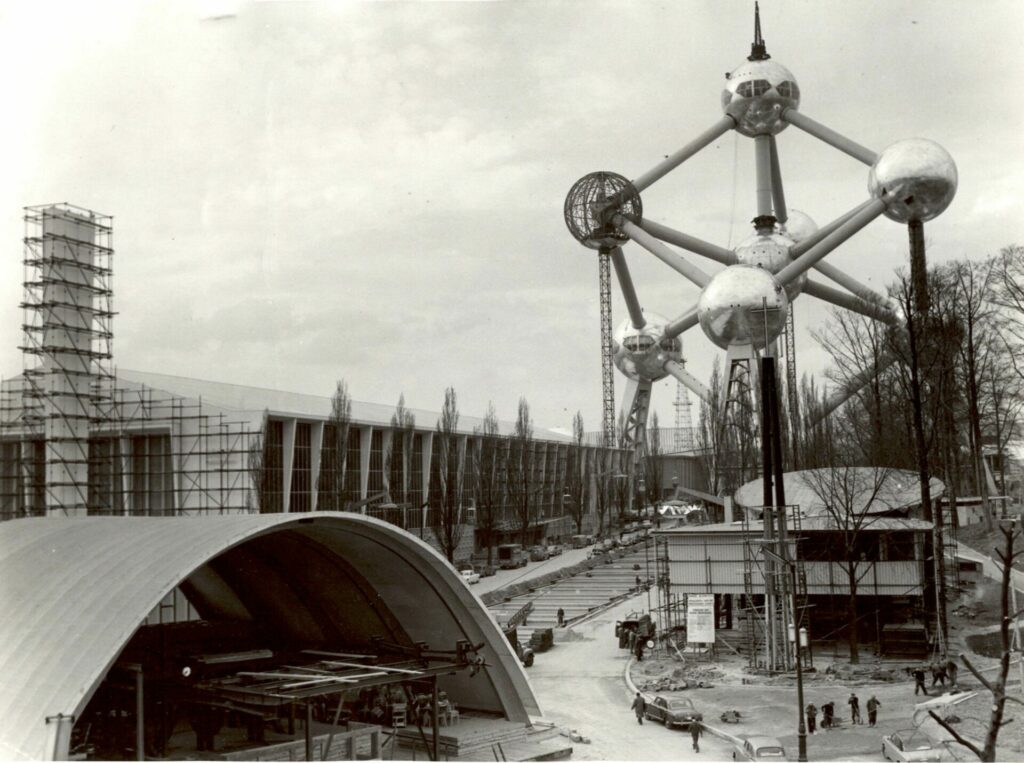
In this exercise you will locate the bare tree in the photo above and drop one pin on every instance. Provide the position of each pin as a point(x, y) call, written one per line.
point(398, 455)
point(710, 429)
point(520, 483)
point(848, 494)
point(654, 467)
point(331, 483)
point(987, 752)
point(577, 478)
point(488, 466)
point(261, 475)
point(447, 511)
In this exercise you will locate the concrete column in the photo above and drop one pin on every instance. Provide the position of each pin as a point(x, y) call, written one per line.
point(365, 440)
point(287, 462)
point(316, 444)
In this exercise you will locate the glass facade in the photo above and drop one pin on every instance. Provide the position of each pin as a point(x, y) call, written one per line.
point(302, 489)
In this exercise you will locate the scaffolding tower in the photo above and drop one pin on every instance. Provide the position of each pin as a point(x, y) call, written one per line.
point(74, 439)
point(771, 625)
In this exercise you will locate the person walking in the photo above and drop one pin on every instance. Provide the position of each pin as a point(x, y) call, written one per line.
point(561, 617)
point(873, 705)
point(951, 670)
point(696, 731)
point(938, 673)
point(812, 717)
point(919, 686)
point(854, 703)
point(639, 706)
point(827, 711)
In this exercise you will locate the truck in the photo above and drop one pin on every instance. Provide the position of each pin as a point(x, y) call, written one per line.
point(511, 555)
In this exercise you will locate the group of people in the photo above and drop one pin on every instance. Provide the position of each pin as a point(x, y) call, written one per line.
point(828, 713)
point(941, 672)
point(639, 707)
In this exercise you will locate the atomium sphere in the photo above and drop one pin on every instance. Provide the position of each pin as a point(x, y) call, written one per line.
point(770, 250)
point(732, 306)
point(798, 226)
point(756, 94)
point(641, 354)
point(588, 213)
point(917, 178)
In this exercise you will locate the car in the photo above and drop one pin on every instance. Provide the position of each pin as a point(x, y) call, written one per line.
point(902, 745)
point(554, 549)
point(486, 570)
point(538, 553)
point(672, 711)
point(470, 576)
point(759, 748)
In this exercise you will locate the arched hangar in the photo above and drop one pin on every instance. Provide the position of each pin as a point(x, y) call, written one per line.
point(286, 614)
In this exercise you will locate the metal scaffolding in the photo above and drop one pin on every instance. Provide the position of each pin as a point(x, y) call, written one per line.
point(73, 438)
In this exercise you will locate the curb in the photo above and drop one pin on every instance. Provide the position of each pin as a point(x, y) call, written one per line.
point(707, 727)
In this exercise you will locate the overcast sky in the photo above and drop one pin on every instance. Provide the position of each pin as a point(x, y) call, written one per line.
point(304, 192)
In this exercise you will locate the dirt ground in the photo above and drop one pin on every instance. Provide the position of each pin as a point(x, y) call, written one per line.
point(725, 684)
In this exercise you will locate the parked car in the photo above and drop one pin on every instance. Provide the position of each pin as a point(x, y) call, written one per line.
point(538, 553)
point(554, 549)
point(470, 576)
point(486, 570)
point(759, 748)
point(906, 745)
point(672, 711)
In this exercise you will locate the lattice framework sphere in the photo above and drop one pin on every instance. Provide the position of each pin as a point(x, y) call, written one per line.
point(588, 214)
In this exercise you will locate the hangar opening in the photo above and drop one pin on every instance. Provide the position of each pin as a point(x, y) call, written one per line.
point(245, 636)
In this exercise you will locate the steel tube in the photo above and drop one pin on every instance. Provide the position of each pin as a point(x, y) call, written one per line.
point(689, 243)
point(855, 385)
point(636, 315)
point(830, 136)
point(663, 253)
point(688, 380)
point(851, 302)
point(140, 717)
point(717, 130)
point(852, 284)
point(763, 167)
point(778, 194)
point(824, 231)
point(683, 323)
point(806, 261)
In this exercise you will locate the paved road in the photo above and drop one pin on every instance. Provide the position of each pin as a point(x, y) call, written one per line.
point(581, 685)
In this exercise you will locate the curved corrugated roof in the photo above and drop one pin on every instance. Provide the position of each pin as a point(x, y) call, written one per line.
point(861, 489)
point(75, 590)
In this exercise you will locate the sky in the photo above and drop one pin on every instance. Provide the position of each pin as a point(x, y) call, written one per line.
point(307, 192)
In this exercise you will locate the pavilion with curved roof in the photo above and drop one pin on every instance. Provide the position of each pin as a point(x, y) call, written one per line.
point(264, 592)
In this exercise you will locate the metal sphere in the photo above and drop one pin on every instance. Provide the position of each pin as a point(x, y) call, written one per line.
point(770, 250)
point(798, 226)
point(916, 178)
point(588, 214)
point(641, 354)
point(731, 307)
point(756, 94)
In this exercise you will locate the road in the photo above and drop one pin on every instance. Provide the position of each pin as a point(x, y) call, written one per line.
point(580, 685)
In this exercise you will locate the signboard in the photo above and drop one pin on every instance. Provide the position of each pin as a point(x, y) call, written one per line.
point(700, 618)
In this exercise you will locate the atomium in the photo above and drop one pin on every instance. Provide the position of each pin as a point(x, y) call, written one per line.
point(744, 307)
point(641, 354)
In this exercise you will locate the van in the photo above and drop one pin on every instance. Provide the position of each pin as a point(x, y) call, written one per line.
point(511, 555)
